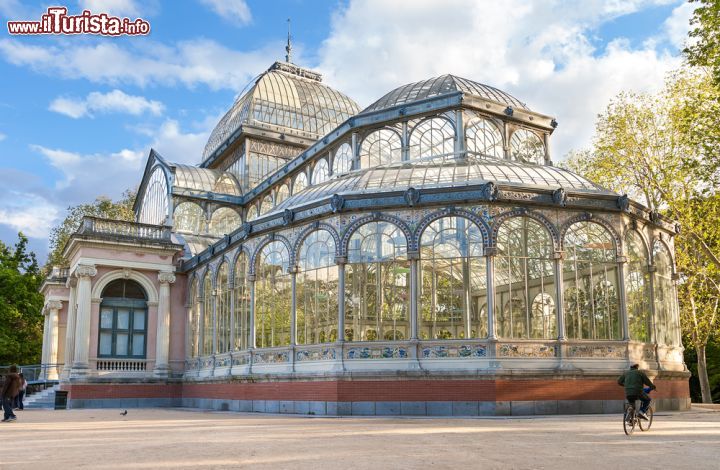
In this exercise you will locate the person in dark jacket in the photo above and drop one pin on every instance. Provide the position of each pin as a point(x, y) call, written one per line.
point(634, 381)
point(10, 389)
point(18, 405)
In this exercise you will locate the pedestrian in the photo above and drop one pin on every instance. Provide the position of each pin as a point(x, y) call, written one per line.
point(21, 394)
point(10, 389)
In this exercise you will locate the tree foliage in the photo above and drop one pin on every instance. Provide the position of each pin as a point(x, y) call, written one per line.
point(21, 320)
point(704, 47)
point(102, 207)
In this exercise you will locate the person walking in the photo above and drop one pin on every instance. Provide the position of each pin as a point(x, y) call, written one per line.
point(21, 394)
point(10, 389)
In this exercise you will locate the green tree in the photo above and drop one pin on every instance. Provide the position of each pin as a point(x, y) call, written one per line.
point(21, 320)
point(103, 207)
point(650, 147)
point(703, 49)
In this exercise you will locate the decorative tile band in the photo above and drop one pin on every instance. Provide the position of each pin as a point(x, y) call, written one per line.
point(377, 353)
point(527, 350)
point(465, 350)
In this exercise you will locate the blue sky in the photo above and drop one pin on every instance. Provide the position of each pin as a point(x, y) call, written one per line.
point(79, 114)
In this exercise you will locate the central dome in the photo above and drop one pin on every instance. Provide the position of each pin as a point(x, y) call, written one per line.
point(289, 99)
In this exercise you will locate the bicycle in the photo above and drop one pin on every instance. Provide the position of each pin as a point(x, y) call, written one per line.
point(631, 418)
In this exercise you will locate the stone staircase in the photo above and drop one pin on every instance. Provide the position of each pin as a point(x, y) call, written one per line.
point(44, 399)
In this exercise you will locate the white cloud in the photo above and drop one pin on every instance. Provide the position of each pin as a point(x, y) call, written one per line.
point(28, 213)
point(112, 102)
point(678, 24)
point(231, 10)
point(177, 146)
point(122, 8)
point(540, 51)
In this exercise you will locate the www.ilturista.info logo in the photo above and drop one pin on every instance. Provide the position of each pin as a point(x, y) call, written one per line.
point(57, 21)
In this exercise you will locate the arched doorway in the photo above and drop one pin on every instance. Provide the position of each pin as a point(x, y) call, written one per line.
point(123, 320)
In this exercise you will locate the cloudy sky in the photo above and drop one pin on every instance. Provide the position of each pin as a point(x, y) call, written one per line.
point(78, 115)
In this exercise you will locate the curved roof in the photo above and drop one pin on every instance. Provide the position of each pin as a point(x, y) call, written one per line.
point(286, 96)
point(203, 179)
point(446, 171)
point(440, 86)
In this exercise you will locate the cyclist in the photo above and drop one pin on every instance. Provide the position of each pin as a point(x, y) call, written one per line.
point(633, 381)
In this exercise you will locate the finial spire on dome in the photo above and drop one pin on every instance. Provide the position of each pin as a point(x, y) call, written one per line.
point(288, 48)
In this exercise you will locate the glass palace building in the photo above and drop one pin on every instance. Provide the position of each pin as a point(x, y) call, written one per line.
point(420, 256)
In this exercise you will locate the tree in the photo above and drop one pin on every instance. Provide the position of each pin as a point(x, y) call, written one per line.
point(103, 207)
point(651, 147)
point(704, 47)
point(21, 320)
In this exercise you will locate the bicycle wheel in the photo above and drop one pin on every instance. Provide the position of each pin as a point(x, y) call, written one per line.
point(629, 421)
point(645, 425)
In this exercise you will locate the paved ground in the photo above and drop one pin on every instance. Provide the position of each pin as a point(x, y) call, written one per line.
point(181, 439)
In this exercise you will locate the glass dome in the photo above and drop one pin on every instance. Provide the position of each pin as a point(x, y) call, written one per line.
point(288, 97)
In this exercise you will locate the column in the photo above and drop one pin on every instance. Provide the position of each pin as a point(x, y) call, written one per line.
point(162, 338)
point(45, 343)
point(215, 294)
point(651, 289)
point(621, 260)
point(293, 308)
point(84, 273)
point(559, 300)
point(405, 144)
point(355, 152)
point(490, 265)
point(413, 257)
point(251, 285)
point(341, 298)
point(70, 329)
point(459, 136)
point(54, 307)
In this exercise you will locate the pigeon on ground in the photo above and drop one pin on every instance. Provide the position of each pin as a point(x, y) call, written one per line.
point(124, 412)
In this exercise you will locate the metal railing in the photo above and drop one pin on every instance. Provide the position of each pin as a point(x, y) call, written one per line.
point(123, 228)
point(34, 373)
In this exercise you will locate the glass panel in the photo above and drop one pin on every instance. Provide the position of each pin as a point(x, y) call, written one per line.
point(121, 344)
point(106, 318)
point(637, 293)
point(273, 297)
point(105, 344)
point(139, 320)
point(123, 319)
point(138, 345)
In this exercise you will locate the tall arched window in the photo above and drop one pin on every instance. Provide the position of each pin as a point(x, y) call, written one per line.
point(667, 319)
point(123, 320)
point(154, 209)
point(590, 281)
point(343, 159)
point(282, 193)
point(317, 288)
point(453, 280)
point(300, 183)
point(222, 315)
point(272, 297)
point(524, 269)
point(194, 320)
point(484, 138)
point(189, 217)
point(377, 284)
point(266, 205)
point(223, 221)
point(380, 148)
point(251, 213)
point(526, 146)
point(242, 303)
point(637, 295)
point(430, 137)
point(208, 320)
point(321, 172)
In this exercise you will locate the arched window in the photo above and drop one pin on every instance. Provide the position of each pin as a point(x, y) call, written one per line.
point(223, 221)
point(208, 320)
point(590, 281)
point(194, 320)
point(377, 284)
point(154, 209)
point(484, 138)
point(282, 193)
point(123, 320)
point(189, 217)
point(453, 280)
point(380, 148)
point(266, 205)
point(251, 213)
point(300, 183)
point(543, 322)
point(430, 137)
point(637, 295)
point(524, 269)
point(526, 146)
point(343, 160)
point(321, 172)
point(272, 297)
point(222, 315)
point(667, 319)
point(317, 288)
point(242, 303)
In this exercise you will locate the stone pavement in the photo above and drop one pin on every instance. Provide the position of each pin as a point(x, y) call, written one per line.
point(181, 439)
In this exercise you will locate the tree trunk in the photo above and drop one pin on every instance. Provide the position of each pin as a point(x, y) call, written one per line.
point(702, 375)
